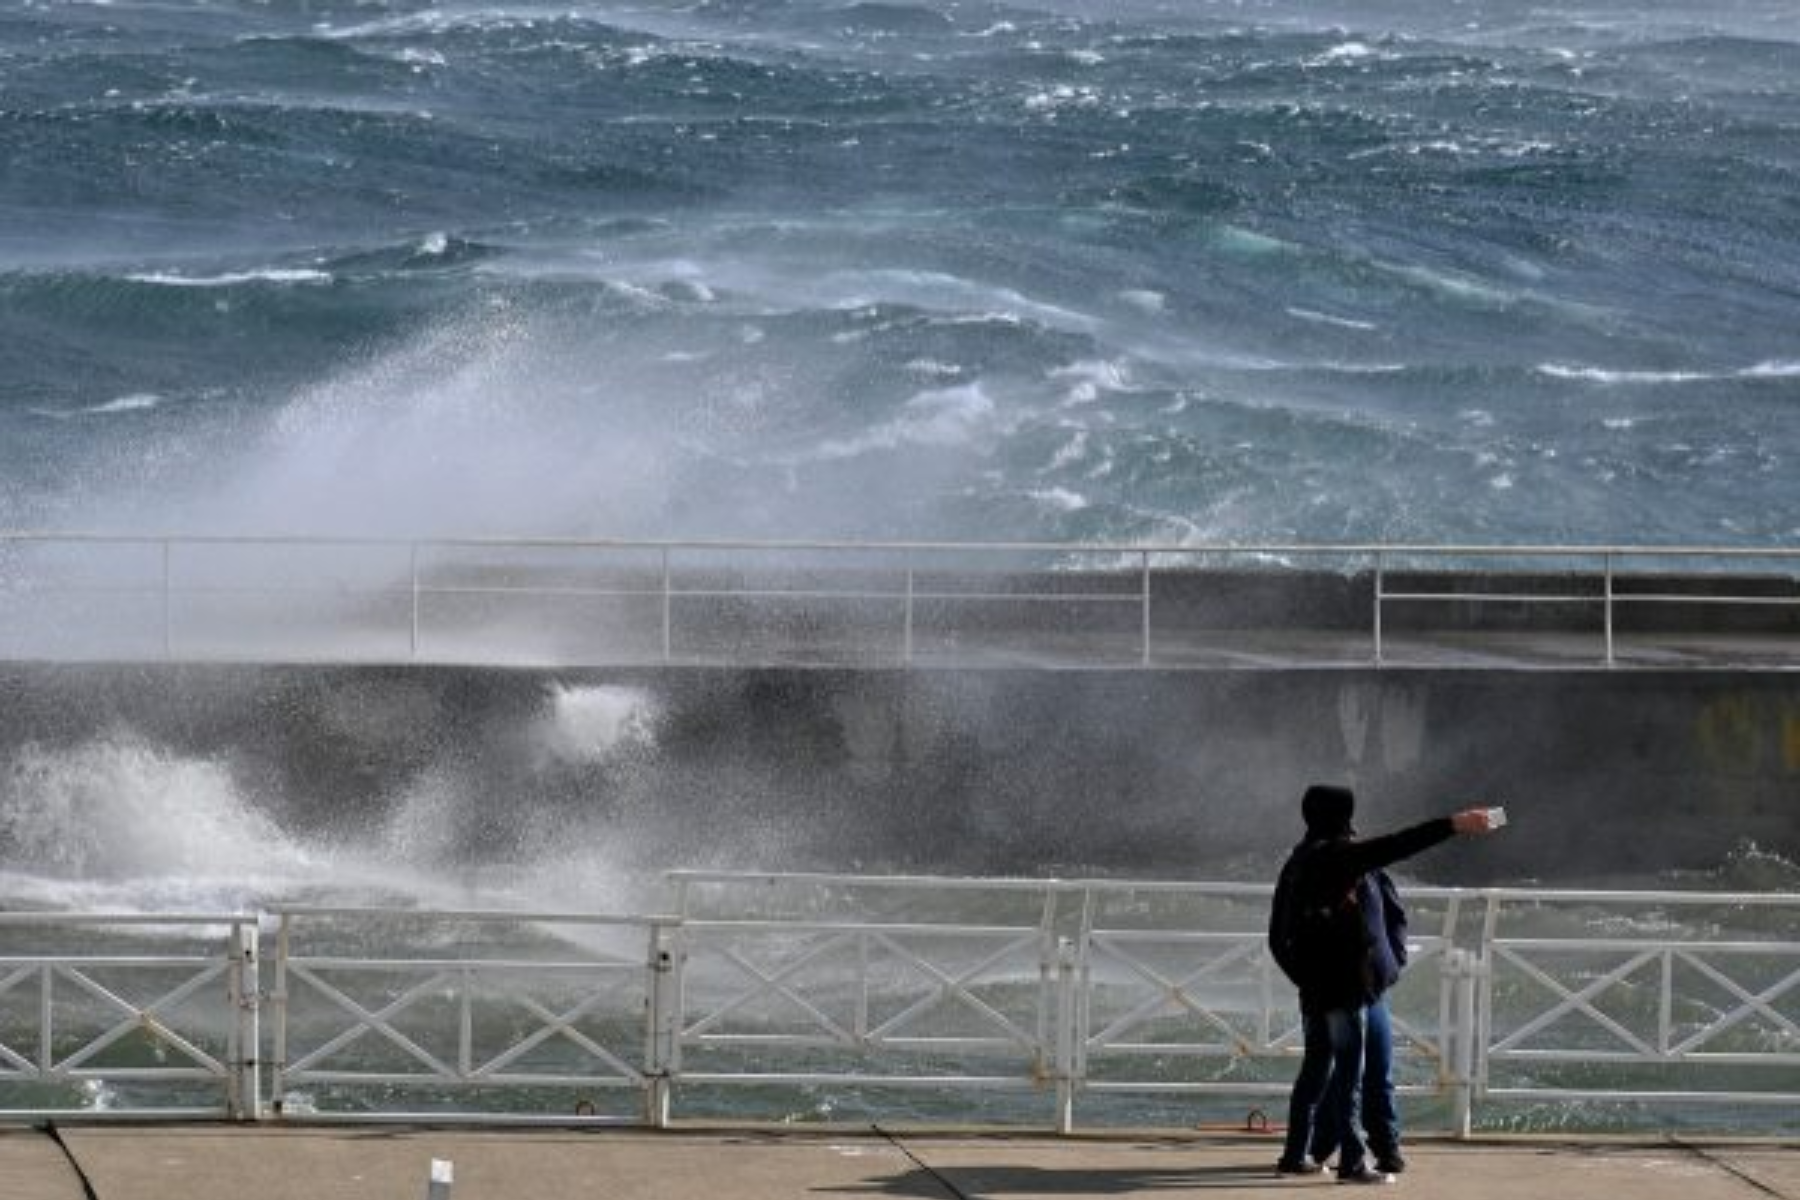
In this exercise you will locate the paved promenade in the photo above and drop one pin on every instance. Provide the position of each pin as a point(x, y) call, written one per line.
point(219, 1162)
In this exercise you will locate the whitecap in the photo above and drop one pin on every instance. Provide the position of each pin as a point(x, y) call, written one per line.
point(1059, 498)
point(1071, 452)
point(234, 278)
point(940, 417)
point(136, 402)
point(434, 244)
point(1342, 53)
point(1604, 376)
point(1144, 300)
point(1095, 372)
point(1239, 240)
point(1787, 369)
point(1307, 314)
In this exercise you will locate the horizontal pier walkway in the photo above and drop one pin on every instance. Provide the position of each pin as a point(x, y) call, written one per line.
point(216, 1162)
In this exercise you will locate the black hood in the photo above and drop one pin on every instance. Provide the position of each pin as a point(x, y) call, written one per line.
point(1328, 810)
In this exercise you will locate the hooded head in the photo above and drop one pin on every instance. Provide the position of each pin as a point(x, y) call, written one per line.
point(1328, 810)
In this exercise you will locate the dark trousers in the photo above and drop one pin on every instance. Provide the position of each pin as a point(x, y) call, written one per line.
point(1328, 1091)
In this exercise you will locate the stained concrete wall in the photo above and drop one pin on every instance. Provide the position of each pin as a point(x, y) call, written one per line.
point(1608, 776)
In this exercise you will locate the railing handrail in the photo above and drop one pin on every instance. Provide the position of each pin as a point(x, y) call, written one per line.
point(543, 541)
point(1213, 887)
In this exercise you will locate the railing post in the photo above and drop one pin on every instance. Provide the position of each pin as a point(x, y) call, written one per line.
point(168, 603)
point(1608, 607)
point(667, 614)
point(413, 570)
point(906, 652)
point(661, 1050)
point(1065, 1036)
point(1145, 557)
point(1457, 1040)
point(278, 1000)
point(244, 1083)
point(1379, 586)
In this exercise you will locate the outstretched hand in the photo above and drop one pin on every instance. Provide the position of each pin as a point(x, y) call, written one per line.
point(1472, 820)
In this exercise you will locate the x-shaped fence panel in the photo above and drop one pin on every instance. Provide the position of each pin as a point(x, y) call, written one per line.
point(96, 1024)
point(864, 990)
point(361, 1026)
point(1167, 995)
point(1602, 1000)
point(151, 1015)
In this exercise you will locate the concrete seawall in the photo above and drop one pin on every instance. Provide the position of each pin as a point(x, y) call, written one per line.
point(1609, 775)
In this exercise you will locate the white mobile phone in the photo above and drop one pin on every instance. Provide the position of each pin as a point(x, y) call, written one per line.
point(1496, 817)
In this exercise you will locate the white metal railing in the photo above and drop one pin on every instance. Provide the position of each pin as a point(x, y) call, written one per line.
point(577, 601)
point(457, 1003)
point(172, 1024)
point(1057, 994)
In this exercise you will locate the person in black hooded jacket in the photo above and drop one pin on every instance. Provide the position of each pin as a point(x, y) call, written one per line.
point(1329, 930)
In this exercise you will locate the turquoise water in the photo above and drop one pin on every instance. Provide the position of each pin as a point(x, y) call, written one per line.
point(1063, 269)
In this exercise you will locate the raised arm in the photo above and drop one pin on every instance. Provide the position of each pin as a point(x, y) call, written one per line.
point(1356, 858)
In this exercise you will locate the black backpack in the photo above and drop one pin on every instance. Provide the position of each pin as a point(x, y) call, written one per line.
point(1303, 929)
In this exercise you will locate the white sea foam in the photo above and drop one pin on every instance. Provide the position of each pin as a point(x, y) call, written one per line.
point(1603, 375)
point(587, 725)
point(1237, 240)
point(1772, 369)
point(1144, 300)
point(1307, 314)
point(234, 278)
point(945, 417)
point(1086, 379)
point(1071, 452)
point(136, 402)
point(1060, 499)
point(119, 807)
point(1342, 53)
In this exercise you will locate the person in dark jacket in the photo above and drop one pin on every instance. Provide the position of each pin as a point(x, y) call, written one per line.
point(1330, 907)
point(1381, 1115)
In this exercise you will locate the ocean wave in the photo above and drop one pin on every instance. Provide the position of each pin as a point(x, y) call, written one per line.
point(275, 275)
point(1307, 314)
point(135, 402)
point(941, 417)
point(1769, 369)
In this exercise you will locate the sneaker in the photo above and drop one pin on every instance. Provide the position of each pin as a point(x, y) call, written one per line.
point(1305, 1166)
point(1364, 1173)
point(1391, 1162)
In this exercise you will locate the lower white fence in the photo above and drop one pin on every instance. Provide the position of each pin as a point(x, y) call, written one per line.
point(811, 997)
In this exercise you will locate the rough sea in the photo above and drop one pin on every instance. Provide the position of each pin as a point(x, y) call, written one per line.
point(1198, 271)
point(1465, 270)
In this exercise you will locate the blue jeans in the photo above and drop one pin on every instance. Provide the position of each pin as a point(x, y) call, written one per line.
point(1327, 1092)
point(1380, 1114)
